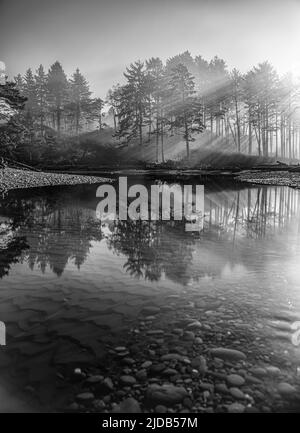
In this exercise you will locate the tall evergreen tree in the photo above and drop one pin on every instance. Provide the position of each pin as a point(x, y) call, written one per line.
point(185, 106)
point(95, 111)
point(79, 98)
point(29, 91)
point(41, 97)
point(236, 100)
point(156, 79)
point(57, 87)
point(133, 102)
point(114, 100)
point(262, 81)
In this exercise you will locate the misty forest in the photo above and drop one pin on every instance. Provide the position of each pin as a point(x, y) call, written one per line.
point(187, 112)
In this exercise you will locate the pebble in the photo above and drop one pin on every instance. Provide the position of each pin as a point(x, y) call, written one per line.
point(236, 408)
point(206, 386)
point(108, 383)
point(252, 379)
point(85, 396)
point(120, 349)
point(151, 310)
point(127, 380)
point(221, 388)
point(129, 405)
point(237, 393)
point(194, 325)
point(155, 332)
point(169, 372)
point(235, 380)
point(95, 379)
point(273, 371)
point(160, 409)
point(141, 375)
point(99, 404)
point(228, 354)
point(73, 406)
point(189, 335)
point(258, 371)
point(286, 390)
point(172, 356)
point(166, 394)
point(199, 362)
point(251, 409)
point(128, 361)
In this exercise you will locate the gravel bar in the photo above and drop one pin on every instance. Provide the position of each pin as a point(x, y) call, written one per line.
point(11, 178)
point(280, 178)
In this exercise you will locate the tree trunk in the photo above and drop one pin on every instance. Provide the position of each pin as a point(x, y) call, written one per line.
point(187, 138)
point(162, 142)
point(157, 137)
point(238, 127)
point(250, 136)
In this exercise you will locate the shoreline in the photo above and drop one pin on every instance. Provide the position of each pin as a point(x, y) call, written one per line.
point(275, 178)
point(11, 179)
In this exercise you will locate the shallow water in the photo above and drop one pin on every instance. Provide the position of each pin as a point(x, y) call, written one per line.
point(73, 288)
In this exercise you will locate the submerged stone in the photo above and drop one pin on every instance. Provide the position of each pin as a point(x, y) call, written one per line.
point(228, 354)
point(165, 394)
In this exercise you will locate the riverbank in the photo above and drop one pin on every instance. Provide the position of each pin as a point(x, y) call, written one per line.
point(11, 178)
point(280, 178)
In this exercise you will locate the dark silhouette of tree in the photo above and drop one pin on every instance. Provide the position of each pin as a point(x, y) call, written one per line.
point(79, 99)
point(255, 113)
point(184, 106)
point(11, 129)
point(41, 98)
point(57, 86)
point(133, 103)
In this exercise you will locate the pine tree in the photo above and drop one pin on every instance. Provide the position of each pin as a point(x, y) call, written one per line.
point(133, 102)
point(185, 107)
point(41, 95)
point(57, 87)
point(29, 91)
point(156, 93)
point(262, 82)
point(94, 111)
point(79, 98)
point(19, 83)
point(236, 101)
point(217, 91)
point(114, 100)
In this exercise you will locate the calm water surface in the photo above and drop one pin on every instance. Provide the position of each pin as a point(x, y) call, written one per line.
point(72, 287)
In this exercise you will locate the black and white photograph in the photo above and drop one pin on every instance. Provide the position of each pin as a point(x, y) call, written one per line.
point(149, 209)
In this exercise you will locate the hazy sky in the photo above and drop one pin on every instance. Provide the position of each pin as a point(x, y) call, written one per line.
point(101, 37)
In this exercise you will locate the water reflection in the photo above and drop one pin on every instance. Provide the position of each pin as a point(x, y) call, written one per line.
point(72, 286)
point(52, 230)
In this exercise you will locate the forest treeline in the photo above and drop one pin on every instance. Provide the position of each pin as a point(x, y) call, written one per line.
point(256, 113)
point(47, 107)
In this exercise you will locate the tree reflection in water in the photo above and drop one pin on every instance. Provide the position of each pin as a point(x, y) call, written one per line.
point(146, 245)
point(51, 230)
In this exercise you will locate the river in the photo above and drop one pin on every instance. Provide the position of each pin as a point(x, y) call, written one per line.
point(80, 296)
